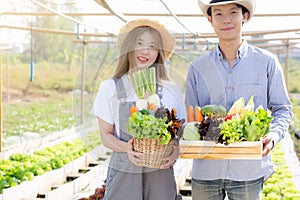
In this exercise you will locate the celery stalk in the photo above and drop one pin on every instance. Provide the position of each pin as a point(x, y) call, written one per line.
point(142, 80)
point(137, 82)
point(153, 97)
point(151, 79)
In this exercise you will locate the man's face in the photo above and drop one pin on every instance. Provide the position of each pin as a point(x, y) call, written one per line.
point(227, 21)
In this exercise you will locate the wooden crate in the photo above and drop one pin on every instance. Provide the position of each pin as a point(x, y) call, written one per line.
point(210, 150)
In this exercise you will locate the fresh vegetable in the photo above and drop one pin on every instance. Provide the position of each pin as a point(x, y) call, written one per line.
point(250, 126)
point(150, 75)
point(190, 114)
point(213, 110)
point(174, 113)
point(133, 109)
point(198, 114)
point(237, 107)
point(151, 120)
point(143, 124)
point(229, 117)
point(241, 123)
point(137, 80)
point(154, 99)
point(152, 107)
point(145, 80)
point(141, 104)
point(191, 132)
point(161, 124)
point(250, 104)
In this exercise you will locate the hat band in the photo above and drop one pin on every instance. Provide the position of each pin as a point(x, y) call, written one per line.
point(218, 1)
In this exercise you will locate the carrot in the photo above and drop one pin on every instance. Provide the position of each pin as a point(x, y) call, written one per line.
point(133, 109)
point(190, 114)
point(174, 112)
point(151, 107)
point(198, 114)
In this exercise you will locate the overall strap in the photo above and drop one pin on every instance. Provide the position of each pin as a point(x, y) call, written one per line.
point(121, 92)
point(123, 110)
point(159, 89)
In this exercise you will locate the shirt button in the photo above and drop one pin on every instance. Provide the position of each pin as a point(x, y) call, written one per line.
point(229, 72)
point(228, 87)
point(228, 103)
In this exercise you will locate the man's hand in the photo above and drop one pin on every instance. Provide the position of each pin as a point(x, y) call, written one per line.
point(268, 144)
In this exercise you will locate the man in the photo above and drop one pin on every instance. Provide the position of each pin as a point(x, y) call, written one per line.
point(236, 69)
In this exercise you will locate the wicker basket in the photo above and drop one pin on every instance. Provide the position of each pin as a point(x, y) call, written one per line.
point(153, 151)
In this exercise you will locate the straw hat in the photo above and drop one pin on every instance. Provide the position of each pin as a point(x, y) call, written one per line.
point(169, 42)
point(249, 4)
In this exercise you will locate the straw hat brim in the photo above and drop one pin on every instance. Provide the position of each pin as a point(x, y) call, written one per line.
point(169, 42)
point(249, 4)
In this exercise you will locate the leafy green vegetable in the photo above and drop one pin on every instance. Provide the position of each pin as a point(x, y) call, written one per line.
point(23, 167)
point(143, 124)
point(190, 132)
point(213, 110)
point(250, 126)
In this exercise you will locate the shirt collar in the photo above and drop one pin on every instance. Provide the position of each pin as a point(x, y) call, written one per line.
point(241, 52)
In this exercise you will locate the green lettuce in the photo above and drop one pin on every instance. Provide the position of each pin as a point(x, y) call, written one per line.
point(143, 124)
point(249, 126)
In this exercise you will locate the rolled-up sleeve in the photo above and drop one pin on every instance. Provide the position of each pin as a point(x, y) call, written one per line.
point(278, 101)
point(103, 102)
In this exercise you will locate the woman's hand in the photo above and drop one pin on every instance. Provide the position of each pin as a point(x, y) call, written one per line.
point(268, 145)
point(171, 160)
point(135, 157)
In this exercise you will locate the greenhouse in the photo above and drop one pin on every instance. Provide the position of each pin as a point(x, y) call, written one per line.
point(60, 58)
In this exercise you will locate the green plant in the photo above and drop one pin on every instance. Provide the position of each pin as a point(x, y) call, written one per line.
point(144, 125)
point(40, 117)
point(23, 167)
point(280, 185)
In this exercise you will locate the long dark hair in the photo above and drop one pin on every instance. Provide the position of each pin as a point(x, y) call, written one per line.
point(126, 61)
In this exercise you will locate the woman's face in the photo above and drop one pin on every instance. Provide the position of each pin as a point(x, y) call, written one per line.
point(145, 52)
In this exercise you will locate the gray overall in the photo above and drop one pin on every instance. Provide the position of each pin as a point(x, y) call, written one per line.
point(126, 181)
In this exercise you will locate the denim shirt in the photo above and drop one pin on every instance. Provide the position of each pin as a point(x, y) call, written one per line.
point(210, 80)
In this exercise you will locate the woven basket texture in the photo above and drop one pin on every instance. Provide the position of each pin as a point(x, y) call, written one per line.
point(153, 151)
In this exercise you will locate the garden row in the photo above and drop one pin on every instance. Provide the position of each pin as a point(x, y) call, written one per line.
point(51, 173)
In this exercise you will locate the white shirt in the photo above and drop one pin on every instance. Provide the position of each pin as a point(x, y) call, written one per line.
point(106, 104)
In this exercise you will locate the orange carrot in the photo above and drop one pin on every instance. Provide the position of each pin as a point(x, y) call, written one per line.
point(198, 114)
point(133, 109)
point(190, 114)
point(174, 112)
point(152, 107)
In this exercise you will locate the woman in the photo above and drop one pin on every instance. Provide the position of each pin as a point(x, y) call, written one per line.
point(143, 43)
